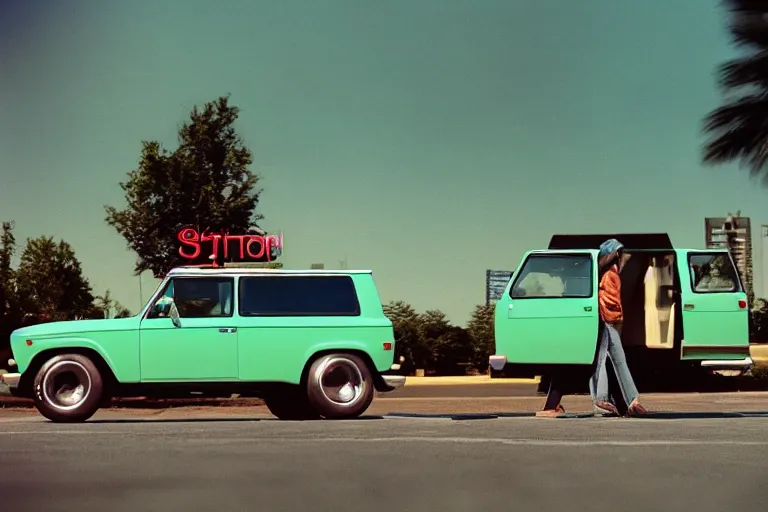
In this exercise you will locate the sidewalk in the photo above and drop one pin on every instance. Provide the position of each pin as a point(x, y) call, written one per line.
point(759, 354)
point(465, 380)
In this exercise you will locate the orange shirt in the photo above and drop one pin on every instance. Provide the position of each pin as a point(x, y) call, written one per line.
point(609, 296)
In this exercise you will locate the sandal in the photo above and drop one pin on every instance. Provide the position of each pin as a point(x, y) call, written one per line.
point(606, 409)
point(551, 413)
point(635, 410)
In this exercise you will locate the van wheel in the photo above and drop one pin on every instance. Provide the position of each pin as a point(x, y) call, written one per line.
point(290, 405)
point(67, 388)
point(340, 386)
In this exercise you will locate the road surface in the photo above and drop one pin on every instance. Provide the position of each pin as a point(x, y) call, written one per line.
point(224, 462)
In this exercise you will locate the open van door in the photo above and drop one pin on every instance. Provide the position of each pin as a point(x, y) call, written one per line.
point(548, 313)
point(714, 304)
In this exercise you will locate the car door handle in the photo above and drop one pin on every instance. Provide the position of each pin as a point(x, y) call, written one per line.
point(587, 308)
point(226, 330)
point(688, 306)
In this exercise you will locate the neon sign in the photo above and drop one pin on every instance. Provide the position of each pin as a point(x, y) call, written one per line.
point(210, 246)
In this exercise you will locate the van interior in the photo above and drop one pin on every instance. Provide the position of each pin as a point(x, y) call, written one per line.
point(649, 282)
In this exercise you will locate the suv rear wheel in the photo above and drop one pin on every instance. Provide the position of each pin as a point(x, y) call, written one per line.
point(340, 386)
point(67, 388)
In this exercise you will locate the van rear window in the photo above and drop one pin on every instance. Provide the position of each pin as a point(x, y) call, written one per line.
point(298, 296)
point(713, 272)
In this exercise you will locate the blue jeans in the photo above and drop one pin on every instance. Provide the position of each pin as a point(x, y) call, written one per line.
point(610, 349)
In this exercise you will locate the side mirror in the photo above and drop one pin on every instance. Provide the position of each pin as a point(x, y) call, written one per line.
point(173, 313)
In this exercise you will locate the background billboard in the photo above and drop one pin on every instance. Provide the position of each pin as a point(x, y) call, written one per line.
point(495, 282)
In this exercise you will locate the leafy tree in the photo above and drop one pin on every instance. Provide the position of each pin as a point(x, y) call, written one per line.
point(738, 130)
point(10, 312)
point(7, 281)
point(205, 183)
point(50, 282)
point(452, 351)
point(409, 341)
point(450, 346)
point(433, 323)
point(481, 332)
point(758, 322)
point(109, 307)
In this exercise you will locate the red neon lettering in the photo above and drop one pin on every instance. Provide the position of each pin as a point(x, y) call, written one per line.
point(207, 236)
point(241, 240)
point(192, 239)
point(189, 237)
point(255, 238)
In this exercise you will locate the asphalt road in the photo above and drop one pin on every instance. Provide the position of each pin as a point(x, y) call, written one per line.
point(389, 464)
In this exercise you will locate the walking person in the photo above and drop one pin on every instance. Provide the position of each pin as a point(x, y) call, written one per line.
point(609, 347)
point(552, 407)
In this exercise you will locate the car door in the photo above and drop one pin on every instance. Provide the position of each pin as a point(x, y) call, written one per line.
point(205, 346)
point(714, 304)
point(549, 313)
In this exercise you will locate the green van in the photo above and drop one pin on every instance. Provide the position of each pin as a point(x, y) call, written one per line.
point(684, 309)
point(313, 344)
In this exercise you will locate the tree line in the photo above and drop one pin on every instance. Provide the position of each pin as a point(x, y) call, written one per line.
point(429, 342)
point(47, 285)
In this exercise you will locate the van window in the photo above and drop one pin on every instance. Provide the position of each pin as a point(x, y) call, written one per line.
point(554, 276)
point(196, 297)
point(713, 273)
point(289, 295)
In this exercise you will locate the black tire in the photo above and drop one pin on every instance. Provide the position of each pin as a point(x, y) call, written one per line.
point(63, 372)
point(291, 405)
point(347, 372)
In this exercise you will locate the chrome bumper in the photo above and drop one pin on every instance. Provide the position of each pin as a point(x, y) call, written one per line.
point(10, 379)
point(497, 362)
point(729, 364)
point(394, 381)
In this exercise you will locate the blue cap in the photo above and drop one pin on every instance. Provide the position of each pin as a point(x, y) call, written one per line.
point(609, 247)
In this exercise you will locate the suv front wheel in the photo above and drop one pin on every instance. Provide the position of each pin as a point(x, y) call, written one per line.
point(67, 388)
point(340, 386)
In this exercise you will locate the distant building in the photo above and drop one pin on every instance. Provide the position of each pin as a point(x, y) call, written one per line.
point(735, 232)
point(495, 282)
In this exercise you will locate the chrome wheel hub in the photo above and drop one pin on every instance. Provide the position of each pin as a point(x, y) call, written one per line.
point(66, 385)
point(341, 381)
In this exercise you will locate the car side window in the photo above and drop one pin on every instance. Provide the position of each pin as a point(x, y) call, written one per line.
point(298, 296)
point(197, 297)
point(713, 273)
point(554, 276)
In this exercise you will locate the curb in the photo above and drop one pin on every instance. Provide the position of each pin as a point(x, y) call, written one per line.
point(471, 380)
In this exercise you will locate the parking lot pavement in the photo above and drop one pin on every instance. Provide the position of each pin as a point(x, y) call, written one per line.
point(385, 464)
point(664, 405)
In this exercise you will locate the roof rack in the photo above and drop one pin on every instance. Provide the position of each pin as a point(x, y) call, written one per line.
point(245, 264)
point(255, 264)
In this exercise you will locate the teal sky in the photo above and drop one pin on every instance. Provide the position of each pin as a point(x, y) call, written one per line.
point(427, 140)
